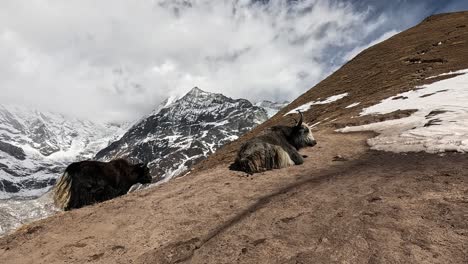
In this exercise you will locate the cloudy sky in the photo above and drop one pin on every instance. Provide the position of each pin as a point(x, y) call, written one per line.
point(115, 60)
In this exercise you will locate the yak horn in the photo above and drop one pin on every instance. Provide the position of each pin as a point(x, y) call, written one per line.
point(142, 165)
point(300, 120)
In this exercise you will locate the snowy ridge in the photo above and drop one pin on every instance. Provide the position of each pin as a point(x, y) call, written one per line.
point(440, 123)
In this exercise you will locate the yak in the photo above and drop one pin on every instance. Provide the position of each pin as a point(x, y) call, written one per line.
point(276, 148)
point(88, 182)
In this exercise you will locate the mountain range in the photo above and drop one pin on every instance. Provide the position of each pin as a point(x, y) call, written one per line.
point(35, 146)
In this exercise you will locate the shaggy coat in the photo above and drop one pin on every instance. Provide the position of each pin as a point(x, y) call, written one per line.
point(276, 148)
point(89, 182)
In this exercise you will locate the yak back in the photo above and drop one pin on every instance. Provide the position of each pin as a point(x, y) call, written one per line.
point(95, 181)
point(117, 173)
point(277, 135)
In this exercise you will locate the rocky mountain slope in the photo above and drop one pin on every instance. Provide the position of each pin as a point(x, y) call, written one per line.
point(184, 131)
point(35, 147)
point(346, 203)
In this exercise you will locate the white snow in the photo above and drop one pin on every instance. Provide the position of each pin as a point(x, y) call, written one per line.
point(440, 123)
point(315, 124)
point(353, 105)
point(448, 73)
point(307, 106)
point(71, 136)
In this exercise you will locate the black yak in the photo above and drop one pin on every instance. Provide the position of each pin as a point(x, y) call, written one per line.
point(276, 148)
point(88, 182)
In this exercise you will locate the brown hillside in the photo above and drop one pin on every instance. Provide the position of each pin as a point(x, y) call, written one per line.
point(394, 66)
point(366, 207)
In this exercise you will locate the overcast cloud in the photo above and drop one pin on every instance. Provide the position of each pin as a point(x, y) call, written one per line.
point(115, 60)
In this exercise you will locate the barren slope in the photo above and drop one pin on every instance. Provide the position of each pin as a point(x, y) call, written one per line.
point(371, 207)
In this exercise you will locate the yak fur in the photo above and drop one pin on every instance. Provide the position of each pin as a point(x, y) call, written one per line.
point(276, 148)
point(88, 182)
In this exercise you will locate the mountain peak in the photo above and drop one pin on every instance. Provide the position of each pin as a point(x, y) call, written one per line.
point(196, 92)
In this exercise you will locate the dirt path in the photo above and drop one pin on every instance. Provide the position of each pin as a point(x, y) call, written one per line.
point(373, 207)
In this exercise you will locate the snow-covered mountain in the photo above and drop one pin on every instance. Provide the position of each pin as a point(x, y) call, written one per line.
point(36, 146)
point(272, 107)
point(184, 131)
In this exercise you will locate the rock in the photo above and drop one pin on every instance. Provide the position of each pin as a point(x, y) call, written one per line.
point(14, 151)
point(339, 158)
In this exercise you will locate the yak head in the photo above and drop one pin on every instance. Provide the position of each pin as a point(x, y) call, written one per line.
point(301, 134)
point(142, 172)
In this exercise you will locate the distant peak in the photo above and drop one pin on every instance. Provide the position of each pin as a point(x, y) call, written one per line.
point(196, 91)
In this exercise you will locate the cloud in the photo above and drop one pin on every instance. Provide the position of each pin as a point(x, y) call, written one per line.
point(115, 60)
point(351, 54)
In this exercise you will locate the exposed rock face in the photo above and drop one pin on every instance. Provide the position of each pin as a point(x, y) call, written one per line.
point(12, 150)
point(180, 133)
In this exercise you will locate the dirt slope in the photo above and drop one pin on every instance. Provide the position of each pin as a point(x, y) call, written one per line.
point(370, 207)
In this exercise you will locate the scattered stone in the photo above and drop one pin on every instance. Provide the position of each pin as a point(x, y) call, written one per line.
point(374, 199)
point(118, 247)
point(433, 122)
point(435, 112)
point(259, 241)
point(339, 158)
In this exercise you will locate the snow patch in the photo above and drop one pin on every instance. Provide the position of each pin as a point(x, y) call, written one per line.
point(448, 73)
point(353, 105)
point(306, 107)
point(440, 123)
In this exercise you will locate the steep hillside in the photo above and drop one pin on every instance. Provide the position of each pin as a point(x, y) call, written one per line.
point(402, 63)
point(345, 204)
point(185, 131)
